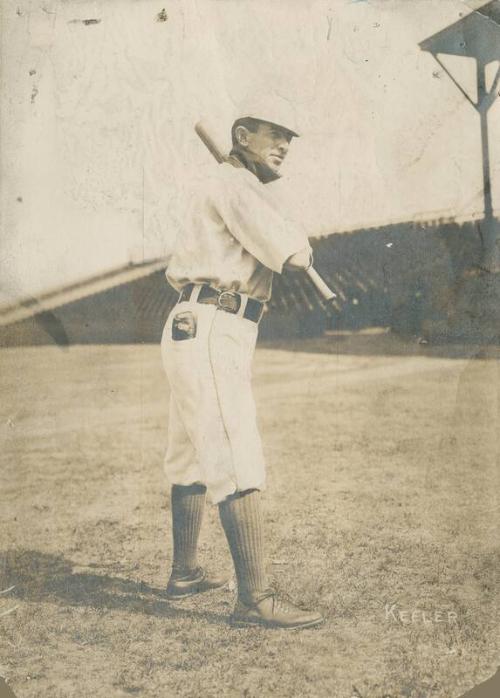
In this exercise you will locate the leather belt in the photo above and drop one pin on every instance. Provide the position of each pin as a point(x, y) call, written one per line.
point(229, 301)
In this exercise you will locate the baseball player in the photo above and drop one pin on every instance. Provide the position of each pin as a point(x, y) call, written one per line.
point(234, 239)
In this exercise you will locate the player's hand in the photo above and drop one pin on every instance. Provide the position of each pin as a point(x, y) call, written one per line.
point(300, 260)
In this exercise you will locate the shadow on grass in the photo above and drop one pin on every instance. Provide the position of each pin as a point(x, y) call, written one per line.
point(42, 577)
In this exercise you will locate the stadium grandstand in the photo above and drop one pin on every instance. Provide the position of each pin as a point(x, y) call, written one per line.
point(416, 278)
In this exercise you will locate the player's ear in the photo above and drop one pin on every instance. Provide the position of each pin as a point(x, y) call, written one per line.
point(241, 135)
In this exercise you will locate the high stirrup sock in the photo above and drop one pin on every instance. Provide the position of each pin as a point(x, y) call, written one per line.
point(188, 505)
point(241, 519)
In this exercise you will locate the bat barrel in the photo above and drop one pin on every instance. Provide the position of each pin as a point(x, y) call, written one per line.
point(209, 142)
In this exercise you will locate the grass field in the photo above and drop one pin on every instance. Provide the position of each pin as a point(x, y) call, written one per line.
point(382, 509)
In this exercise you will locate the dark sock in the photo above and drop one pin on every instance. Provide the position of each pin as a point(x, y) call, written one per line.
point(241, 519)
point(188, 505)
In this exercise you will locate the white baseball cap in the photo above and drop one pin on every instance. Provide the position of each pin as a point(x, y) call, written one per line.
point(272, 109)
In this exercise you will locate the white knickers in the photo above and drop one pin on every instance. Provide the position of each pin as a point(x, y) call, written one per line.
point(212, 433)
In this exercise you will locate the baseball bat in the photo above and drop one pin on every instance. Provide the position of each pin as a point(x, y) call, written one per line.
point(321, 286)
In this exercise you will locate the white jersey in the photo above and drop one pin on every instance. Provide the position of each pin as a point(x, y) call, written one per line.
point(234, 235)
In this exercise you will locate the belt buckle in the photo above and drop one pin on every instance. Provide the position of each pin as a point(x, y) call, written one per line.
point(230, 301)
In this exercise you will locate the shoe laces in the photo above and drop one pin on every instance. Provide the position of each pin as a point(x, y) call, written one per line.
point(283, 605)
point(280, 602)
point(183, 576)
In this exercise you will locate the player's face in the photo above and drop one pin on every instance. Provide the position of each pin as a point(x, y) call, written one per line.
point(270, 143)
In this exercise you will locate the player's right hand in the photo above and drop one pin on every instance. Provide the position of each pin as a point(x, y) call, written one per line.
point(300, 260)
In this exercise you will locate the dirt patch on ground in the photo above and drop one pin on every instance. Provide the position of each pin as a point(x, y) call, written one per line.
point(381, 509)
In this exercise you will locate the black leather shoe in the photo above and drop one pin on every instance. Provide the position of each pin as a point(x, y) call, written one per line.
point(268, 609)
point(195, 582)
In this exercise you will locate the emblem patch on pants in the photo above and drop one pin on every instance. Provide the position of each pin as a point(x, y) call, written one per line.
point(184, 326)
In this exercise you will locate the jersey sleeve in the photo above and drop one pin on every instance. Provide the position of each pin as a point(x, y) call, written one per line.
point(253, 217)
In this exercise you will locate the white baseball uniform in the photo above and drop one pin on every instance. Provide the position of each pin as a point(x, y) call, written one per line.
point(234, 238)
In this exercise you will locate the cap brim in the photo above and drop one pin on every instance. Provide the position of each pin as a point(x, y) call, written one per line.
point(292, 133)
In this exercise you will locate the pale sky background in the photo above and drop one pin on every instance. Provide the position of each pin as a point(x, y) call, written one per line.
point(98, 147)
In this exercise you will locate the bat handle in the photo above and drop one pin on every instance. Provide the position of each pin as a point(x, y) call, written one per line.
point(320, 285)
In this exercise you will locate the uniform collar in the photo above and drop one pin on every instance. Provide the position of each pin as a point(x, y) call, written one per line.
point(242, 158)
